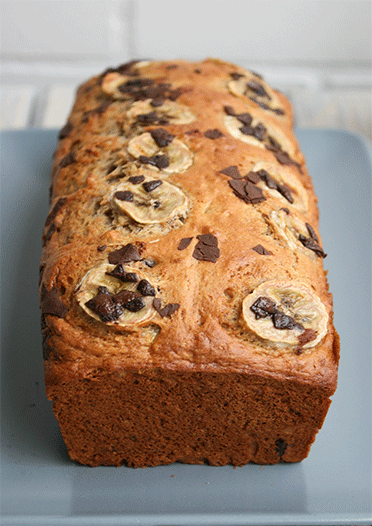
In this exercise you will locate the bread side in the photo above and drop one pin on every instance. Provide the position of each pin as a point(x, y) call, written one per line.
point(182, 286)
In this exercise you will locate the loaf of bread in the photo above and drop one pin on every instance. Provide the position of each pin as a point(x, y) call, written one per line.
point(185, 309)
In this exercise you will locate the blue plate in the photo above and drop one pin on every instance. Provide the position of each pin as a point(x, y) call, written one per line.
point(41, 486)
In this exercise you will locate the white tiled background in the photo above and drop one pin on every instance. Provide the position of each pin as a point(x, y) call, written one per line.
point(318, 52)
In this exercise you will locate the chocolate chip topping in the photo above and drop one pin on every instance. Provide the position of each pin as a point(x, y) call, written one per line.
point(184, 243)
point(258, 131)
point(312, 232)
point(253, 177)
point(67, 159)
point(145, 288)
point(103, 305)
point(244, 118)
point(311, 244)
point(265, 106)
point(255, 86)
point(56, 208)
point(65, 131)
point(262, 250)
point(143, 88)
point(136, 179)
point(229, 110)
point(156, 103)
point(207, 248)
point(125, 195)
point(236, 76)
point(51, 304)
point(120, 273)
point(162, 137)
point(166, 311)
point(149, 186)
point(270, 182)
point(160, 161)
point(124, 255)
point(247, 191)
point(307, 336)
point(264, 307)
point(281, 446)
point(213, 134)
point(232, 171)
point(152, 118)
point(101, 248)
point(129, 300)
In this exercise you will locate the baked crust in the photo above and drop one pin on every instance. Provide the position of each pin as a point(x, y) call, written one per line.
point(203, 339)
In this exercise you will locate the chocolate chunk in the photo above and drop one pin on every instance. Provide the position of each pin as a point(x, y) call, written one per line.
point(236, 76)
point(149, 186)
point(103, 305)
point(160, 161)
point(286, 192)
point(120, 273)
point(134, 86)
point(184, 243)
point(213, 134)
point(263, 307)
point(207, 249)
point(150, 262)
point(65, 131)
point(103, 290)
point(255, 86)
point(311, 244)
point(247, 191)
point(56, 208)
point(229, 110)
point(124, 255)
point(101, 248)
point(273, 145)
point(312, 232)
point(197, 71)
point(284, 159)
point(245, 118)
point(136, 179)
point(67, 159)
point(264, 106)
point(47, 237)
point(125, 195)
point(162, 137)
point(129, 300)
point(51, 304)
point(282, 321)
point(281, 446)
point(262, 250)
point(267, 179)
point(145, 288)
point(168, 310)
point(152, 118)
point(307, 336)
point(258, 131)
point(156, 103)
point(253, 177)
point(232, 171)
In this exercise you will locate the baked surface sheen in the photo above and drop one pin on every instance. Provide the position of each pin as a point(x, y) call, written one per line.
point(186, 314)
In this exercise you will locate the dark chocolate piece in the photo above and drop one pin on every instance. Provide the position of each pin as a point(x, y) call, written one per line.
point(232, 171)
point(136, 179)
point(56, 208)
point(129, 300)
point(168, 310)
point(184, 243)
point(51, 304)
point(253, 177)
point(281, 446)
point(152, 117)
point(145, 288)
point(67, 159)
point(263, 307)
point(311, 244)
point(124, 255)
point(120, 273)
point(255, 86)
point(312, 232)
point(247, 191)
point(307, 336)
point(65, 131)
point(149, 186)
point(103, 305)
point(162, 137)
point(244, 118)
point(125, 195)
point(213, 134)
point(262, 250)
point(282, 321)
point(236, 76)
point(207, 248)
point(229, 110)
point(160, 161)
point(101, 248)
point(157, 102)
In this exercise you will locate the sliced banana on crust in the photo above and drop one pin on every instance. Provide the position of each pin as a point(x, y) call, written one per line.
point(150, 201)
point(149, 111)
point(254, 88)
point(175, 157)
point(280, 181)
point(116, 295)
point(286, 313)
point(248, 128)
point(296, 233)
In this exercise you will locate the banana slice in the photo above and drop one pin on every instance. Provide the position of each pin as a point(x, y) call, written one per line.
point(253, 87)
point(173, 112)
point(296, 233)
point(173, 158)
point(109, 299)
point(282, 183)
point(286, 313)
point(111, 82)
point(256, 133)
point(150, 201)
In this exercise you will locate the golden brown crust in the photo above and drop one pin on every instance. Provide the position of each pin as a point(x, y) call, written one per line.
point(259, 236)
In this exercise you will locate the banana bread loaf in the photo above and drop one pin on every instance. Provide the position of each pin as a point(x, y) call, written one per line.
point(185, 309)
